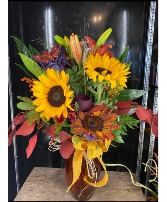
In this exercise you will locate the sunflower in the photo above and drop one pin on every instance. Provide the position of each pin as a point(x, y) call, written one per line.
point(53, 94)
point(106, 68)
point(100, 124)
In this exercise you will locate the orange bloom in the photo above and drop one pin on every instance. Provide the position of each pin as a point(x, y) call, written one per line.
point(100, 124)
point(76, 48)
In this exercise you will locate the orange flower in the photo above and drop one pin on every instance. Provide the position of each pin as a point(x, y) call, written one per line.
point(75, 48)
point(99, 124)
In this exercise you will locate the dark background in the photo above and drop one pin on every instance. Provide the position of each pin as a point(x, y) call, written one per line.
point(128, 20)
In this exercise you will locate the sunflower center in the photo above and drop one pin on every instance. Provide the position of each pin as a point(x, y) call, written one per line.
point(93, 123)
point(100, 70)
point(56, 96)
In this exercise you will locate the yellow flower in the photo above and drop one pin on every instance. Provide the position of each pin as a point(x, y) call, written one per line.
point(76, 48)
point(53, 94)
point(106, 68)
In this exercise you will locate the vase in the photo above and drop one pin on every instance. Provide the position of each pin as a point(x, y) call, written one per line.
point(90, 169)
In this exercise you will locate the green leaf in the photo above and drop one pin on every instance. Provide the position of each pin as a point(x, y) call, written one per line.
point(21, 47)
point(123, 56)
point(31, 114)
point(31, 65)
point(26, 71)
point(30, 120)
point(91, 90)
point(155, 185)
point(122, 131)
point(76, 106)
point(130, 94)
point(60, 40)
point(99, 102)
point(44, 119)
point(118, 139)
point(25, 106)
point(32, 50)
point(103, 37)
point(25, 99)
point(128, 65)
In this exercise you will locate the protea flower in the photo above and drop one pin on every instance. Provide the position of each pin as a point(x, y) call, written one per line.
point(76, 48)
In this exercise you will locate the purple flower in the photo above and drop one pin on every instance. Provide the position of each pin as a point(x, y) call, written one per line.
point(55, 59)
point(84, 102)
point(90, 137)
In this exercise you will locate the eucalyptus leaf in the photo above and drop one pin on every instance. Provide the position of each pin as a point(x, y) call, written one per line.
point(21, 47)
point(60, 40)
point(26, 71)
point(123, 56)
point(130, 94)
point(25, 106)
point(31, 65)
point(104, 36)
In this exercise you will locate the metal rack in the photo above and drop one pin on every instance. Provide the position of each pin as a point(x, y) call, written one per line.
point(148, 55)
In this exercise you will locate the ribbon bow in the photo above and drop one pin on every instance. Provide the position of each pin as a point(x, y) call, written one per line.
point(95, 149)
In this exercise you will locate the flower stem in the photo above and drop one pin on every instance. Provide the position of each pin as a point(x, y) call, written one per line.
point(99, 91)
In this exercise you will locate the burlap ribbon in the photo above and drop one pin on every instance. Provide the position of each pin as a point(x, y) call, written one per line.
point(94, 149)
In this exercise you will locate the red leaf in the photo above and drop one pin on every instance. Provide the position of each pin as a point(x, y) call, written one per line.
point(154, 125)
point(102, 49)
point(10, 138)
point(144, 114)
point(31, 145)
point(123, 107)
point(52, 138)
point(19, 119)
point(121, 111)
point(97, 108)
point(41, 124)
point(125, 104)
point(64, 136)
point(26, 129)
point(50, 130)
point(66, 149)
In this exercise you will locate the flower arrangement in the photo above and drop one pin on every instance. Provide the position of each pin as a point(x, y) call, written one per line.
point(79, 98)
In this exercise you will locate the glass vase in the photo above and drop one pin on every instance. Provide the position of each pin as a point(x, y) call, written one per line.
point(81, 190)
